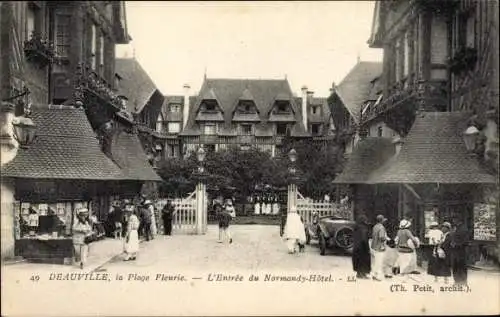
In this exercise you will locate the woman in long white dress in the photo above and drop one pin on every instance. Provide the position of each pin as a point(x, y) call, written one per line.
point(132, 237)
point(295, 235)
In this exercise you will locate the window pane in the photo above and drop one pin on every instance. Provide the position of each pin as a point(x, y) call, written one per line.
point(174, 127)
point(62, 35)
point(209, 129)
point(30, 22)
point(439, 41)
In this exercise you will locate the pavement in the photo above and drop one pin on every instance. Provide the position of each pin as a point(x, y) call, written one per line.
point(195, 275)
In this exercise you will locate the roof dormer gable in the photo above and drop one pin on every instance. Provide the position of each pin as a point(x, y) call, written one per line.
point(246, 103)
point(209, 102)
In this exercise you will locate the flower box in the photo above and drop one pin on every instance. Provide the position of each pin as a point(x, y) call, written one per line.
point(38, 50)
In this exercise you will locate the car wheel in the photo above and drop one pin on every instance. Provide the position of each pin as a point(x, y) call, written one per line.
point(322, 245)
point(344, 239)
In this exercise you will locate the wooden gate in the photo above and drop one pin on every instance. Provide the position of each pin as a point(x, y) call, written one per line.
point(184, 218)
point(306, 207)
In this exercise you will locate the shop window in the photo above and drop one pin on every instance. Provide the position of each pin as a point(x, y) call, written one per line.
point(281, 129)
point(174, 127)
point(47, 221)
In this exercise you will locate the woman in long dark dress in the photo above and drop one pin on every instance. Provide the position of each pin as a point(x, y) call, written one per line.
point(442, 263)
point(361, 258)
point(459, 241)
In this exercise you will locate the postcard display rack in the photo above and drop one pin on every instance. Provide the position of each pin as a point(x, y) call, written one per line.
point(43, 230)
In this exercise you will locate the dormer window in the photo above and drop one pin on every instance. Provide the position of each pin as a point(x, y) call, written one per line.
point(246, 106)
point(315, 109)
point(282, 107)
point(175, 108)
point(209, 105)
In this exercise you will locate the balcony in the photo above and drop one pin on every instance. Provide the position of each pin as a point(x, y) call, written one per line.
point(91, 84)
point(38, 50)
point(402, 92)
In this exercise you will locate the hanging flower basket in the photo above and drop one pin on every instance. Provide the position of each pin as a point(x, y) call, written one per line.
point(38, 50)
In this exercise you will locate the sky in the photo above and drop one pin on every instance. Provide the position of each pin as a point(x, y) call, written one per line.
point(310, 43)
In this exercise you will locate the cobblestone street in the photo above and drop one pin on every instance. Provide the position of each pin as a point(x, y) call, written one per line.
point(256, 250)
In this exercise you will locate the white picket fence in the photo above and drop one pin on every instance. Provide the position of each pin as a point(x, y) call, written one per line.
point(184, 219)
point(306, 207)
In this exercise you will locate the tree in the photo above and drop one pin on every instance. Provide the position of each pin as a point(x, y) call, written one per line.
point(233, 172)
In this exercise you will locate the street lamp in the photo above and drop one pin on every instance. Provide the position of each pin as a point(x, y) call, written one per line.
point(24, 127)
point(200, 155)
point(24, 131)
point(470, 136)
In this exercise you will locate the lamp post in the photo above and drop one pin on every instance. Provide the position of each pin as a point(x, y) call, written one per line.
point(24, 128)
point(201, 196)
point(292, 188)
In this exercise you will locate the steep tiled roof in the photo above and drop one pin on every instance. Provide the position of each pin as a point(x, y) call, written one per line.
point(65, 147)
point(127, 152)
point(367, 156)
point(434, 152)
point(358, 86)
point(228, 91)
point(263, 92)
point(135, 83)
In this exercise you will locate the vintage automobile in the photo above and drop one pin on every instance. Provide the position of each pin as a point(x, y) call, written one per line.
point(332, 232)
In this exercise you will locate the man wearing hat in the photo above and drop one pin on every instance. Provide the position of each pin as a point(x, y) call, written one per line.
point(379, 238)
point(147, 218)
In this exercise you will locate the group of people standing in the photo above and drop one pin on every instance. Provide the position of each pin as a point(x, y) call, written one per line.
point(376, 253)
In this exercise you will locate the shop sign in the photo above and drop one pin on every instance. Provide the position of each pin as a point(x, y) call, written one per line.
point(484, 222)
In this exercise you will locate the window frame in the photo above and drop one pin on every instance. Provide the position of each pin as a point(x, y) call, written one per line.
point(170, 130)
point(174, 108)
point(210, 124)
point(243, 131)
point(62, 40)
point(278, 125)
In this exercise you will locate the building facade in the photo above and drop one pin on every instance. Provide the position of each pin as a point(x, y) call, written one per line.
point(58, 72)
point(243, 113)
point(439, 83)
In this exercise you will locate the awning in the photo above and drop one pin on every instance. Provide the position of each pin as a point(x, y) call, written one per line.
point(65, 147)
point(434, 152)
point(128, 154)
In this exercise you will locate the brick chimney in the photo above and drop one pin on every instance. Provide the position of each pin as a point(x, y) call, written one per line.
point(185, 108)
point(304, 106)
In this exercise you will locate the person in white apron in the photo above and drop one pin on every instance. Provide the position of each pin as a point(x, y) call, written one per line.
point(132, 237)
point(295, 235)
